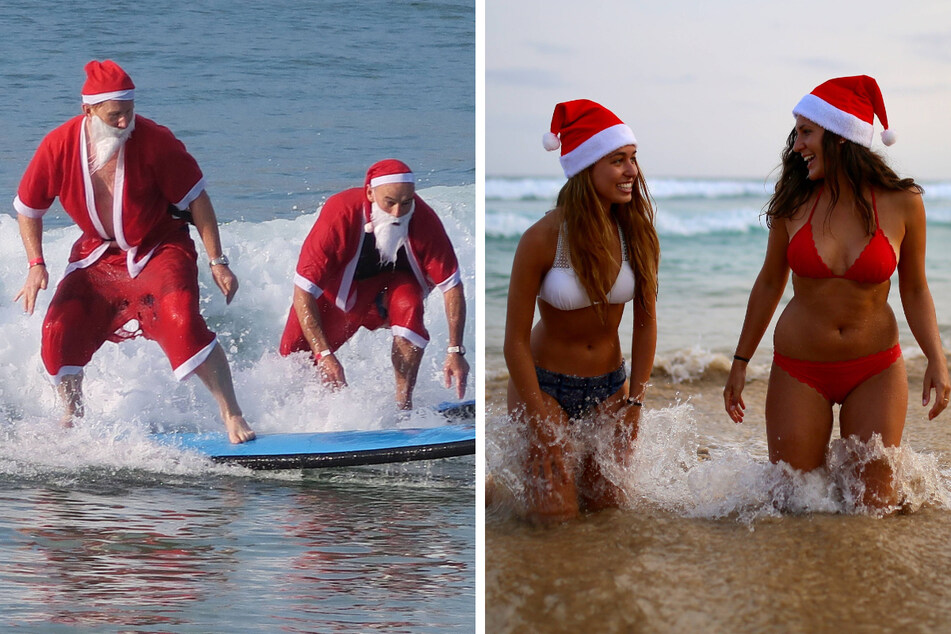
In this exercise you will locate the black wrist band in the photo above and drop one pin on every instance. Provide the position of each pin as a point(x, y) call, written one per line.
point(634, 402)
point(737, 357)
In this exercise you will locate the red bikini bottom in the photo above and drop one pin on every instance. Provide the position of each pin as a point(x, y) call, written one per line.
point(836, 379)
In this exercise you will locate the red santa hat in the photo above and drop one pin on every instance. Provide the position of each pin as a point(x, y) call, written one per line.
point(586, 132)
point(847, 106)
point(389, 171)
point(106, 81)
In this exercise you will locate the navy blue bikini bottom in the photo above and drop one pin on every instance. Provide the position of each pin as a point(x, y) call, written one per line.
point(577, 395)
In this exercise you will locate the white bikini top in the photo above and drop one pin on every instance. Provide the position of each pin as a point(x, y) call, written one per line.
point(562, 289)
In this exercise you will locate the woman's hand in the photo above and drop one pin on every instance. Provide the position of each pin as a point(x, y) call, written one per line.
point(552, 492)
point(625, 433)
point(733, 392)
point(936, 378)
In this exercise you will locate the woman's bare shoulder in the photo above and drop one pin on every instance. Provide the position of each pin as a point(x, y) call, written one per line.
point(544, 232)
point(906, 203)
point(899, 197)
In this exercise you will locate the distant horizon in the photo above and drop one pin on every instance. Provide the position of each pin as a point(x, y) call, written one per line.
point(653, 177)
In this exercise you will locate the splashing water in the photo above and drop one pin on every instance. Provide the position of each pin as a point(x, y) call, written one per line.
point(674, 468)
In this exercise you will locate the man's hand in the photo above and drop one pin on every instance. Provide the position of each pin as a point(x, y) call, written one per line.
point(456, 367)
point(331, 372)
point(226, 280)
point(36, 280)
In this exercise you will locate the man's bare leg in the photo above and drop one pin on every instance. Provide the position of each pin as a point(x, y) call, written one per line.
point(70, 390)
point(216, 375)
point(406, 359)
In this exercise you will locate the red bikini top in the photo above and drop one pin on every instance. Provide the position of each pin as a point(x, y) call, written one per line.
point(874, 265)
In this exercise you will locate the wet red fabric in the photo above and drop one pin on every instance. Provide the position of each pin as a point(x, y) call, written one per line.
point(836, 379)
point(399, 295)
point(92, 305)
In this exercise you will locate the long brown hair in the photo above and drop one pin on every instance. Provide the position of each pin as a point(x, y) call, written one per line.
point(861, 167)
point(591, 229)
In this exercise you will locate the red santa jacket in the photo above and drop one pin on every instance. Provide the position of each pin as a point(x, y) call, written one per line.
point(153, 169)
point(329, 256)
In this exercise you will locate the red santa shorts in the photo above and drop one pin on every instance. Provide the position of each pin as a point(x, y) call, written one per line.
point(391, 300)
point(91, 305)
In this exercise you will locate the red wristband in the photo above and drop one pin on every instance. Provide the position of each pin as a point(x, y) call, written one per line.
point(37, 262)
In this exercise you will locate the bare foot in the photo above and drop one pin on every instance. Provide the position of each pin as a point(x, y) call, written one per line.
point(238, 429)
point(67, 421)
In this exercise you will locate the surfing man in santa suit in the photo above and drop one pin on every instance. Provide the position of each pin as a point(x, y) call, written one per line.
point(116, 173)
point(373, 255)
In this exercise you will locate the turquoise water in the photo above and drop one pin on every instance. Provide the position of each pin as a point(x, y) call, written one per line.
point(282, 103)
point(712, 239)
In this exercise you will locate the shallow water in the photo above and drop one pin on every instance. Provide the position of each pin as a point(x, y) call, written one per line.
point(620, 571)
point(712, 537)
point(282, 104)
point(219, 549)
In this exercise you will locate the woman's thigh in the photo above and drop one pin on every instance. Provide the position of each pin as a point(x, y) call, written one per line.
point(877, 406)
point(798, 422)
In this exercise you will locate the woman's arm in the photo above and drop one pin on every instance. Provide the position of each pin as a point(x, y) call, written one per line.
point(643, 346)
point(919, 306)
point(764, 298)
point(528, 269)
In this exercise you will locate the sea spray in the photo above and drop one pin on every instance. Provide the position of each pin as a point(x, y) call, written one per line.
point(131, 386)
point(675, 467)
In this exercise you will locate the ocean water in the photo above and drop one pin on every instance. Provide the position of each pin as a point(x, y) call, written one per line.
point(283, 104)
point(712, 238)
point(711, 536)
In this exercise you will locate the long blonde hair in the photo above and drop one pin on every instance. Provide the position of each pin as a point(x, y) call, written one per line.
point(591, 228)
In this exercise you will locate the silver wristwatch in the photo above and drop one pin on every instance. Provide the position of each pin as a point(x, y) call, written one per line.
point(220, 260)
point(460, 349)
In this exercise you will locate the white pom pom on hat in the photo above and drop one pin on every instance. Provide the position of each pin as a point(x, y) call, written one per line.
point(586, 132)
point(889, 137)
point(550, 141)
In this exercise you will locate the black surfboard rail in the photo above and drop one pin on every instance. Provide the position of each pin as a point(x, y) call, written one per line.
point(352, 458)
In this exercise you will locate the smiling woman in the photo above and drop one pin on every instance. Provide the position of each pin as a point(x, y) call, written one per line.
point(596, 251)
point(837, 339)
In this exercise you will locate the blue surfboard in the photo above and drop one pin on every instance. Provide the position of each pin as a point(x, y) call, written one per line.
point(338, 448)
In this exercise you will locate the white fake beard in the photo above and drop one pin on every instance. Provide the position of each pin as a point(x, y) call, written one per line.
point(390, 232)
point(105, 141)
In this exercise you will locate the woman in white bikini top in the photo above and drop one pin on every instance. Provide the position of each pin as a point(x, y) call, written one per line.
point(583, 261)
point(562, 289)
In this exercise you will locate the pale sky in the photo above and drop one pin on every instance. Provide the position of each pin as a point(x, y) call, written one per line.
point(709, 86)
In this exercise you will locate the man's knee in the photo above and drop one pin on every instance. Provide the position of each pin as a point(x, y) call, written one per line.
point(68, 339)
point(177, 312)
point(406, 305)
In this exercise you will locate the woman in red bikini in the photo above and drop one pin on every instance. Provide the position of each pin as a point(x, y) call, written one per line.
point(843, 222)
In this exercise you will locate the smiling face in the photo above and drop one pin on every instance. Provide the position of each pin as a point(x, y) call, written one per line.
point(613, 176)
point(809, 145)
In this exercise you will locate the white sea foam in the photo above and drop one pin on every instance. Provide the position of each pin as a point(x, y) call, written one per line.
point(676, 467)
point(130, 386)
point(541, 188)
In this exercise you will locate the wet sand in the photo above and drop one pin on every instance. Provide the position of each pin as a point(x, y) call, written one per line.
point(674, 567)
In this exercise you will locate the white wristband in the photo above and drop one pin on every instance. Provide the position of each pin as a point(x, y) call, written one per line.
point(324, 353)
